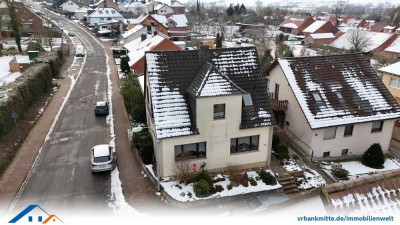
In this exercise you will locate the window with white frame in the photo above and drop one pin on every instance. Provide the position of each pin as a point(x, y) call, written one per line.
point(377, 126)
point(395, 82)
point(329, 133)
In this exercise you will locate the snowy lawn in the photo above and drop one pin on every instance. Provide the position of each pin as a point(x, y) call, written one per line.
point(357, 169)
point(185, 193)
point(6, 76)
point(310, 178)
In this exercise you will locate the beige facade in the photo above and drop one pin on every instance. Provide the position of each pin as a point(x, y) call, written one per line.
point(395, 91)
point(217, 134)
point(296, 122)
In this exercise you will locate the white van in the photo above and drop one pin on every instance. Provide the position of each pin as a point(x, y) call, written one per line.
point(80, 51)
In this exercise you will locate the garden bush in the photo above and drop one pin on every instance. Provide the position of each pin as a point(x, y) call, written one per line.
point(374, 157)
point(202, 188)
point(268, 178)
point(276, 140)
point(339, 172)
point(282, 151)
point(253, 182)
point(147, 150)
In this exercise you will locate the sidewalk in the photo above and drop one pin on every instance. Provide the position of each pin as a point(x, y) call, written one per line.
point(18, 171)
point(139, 191)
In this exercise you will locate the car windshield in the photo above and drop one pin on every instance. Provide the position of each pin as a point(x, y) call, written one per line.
point(101, 107)
point(102, 159)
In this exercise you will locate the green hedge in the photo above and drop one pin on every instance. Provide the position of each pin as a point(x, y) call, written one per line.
point(35, 81)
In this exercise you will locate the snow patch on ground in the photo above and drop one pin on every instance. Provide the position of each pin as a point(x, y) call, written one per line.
point(291, 166)
point(357, 169)
point(185, 193)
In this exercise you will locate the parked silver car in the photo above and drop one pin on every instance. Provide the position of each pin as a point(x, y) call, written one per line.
point(102, 158)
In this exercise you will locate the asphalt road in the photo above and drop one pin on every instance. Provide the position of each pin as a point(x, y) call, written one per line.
point(61, 179)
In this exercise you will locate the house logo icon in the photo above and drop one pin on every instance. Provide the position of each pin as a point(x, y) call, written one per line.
point(35, 214)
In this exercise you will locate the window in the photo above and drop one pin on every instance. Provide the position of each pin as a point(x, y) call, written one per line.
point(326, 154)
point(219, 111)
point(339, 95)
point(190, 151)
point(277, 91)
point(330, 133)
point(100, 12)
point(345, 151)
point(377, 126)
point(394, 82)
point(317, 96)
point(112, 12)
point(267, 83)
point(106, 11)
point(247, 100)
point(348, 130)
point(244, 144)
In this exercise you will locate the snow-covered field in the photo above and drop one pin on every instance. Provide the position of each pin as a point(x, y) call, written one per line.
point(184, 193)
point(357, 169)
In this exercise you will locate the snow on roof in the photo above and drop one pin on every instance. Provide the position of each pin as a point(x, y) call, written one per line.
point(170, 73)
point(137, 47)
point(132, 31)
point(159, 6)
point(388, 27)
point(82, 9)
point(161, 19)
point(394, 47)
point(376, 39)
point(322, 36)
point(365, 98)
point(101, 103)
point(105, 13)
point(314, 26)
point(392, 69)
point(210, 82)
point(134, 5)
point(290, 25)
point(180, 20)
point(177, 4)
point(3, 5)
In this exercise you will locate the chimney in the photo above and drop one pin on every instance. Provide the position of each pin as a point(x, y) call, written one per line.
point(143, 37)
point(155, 33)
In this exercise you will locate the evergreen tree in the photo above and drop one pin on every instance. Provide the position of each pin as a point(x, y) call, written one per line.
point(374, 156)
point(14, 22)
point(124, 64)
point(198, 6)
point(230, 11)
point(265, 63)
point(237, 9)
point(219, 41)
point(243, 9)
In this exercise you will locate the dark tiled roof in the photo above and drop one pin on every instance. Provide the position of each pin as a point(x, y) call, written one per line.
point(173, 75)
point(210, 82)
point(364, 96)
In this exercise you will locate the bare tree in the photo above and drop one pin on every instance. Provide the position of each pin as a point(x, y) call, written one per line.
point(359, 39)
point(339, 8)
point(182, 170)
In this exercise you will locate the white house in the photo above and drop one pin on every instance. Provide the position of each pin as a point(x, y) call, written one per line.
point(104, 14)
point(335, 105)
point(69, 6)
point(138, 30)
point(136, 8)
point(151, 5)
point(81, 12)
point(208, 107)
point(163, 9)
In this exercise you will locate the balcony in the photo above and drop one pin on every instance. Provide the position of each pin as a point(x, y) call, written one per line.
point(277, 105)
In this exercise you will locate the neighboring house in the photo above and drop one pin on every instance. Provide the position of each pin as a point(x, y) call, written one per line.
point(296, 24)
point(30, 22)
point(397, 31)
point(151, 5)
point(178, 27)
point(163, 9)
point(146, 42)
point(393, 51)
point(108, 28)
point(106, 4)
point(320, 38)
point(320, 27)
point(391, 79)
point(103, 14)
point(5, 18)
point(159, 22)
point(161, 19)
point(376, 27)
point(138, 30)
point(137, 8)
point(81, 12)
point(69, 6)
point(208, 106)
point(377, 41)
point(389, 29)
point(178, 7)
point(367, 195)
point(334, 105)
